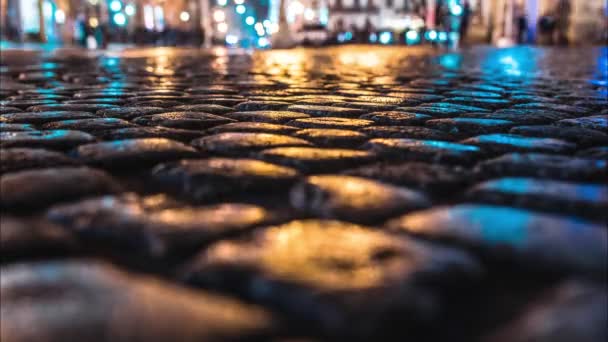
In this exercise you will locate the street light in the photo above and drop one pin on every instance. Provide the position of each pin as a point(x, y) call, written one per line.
point(130, 10)
point(59, 16)
point(222, 27)
point(219, 15)
point(120, 19)
point(184, 16)
point(115, 5)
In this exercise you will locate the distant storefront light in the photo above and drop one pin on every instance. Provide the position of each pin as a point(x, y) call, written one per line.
point(241, 9)
point(263, 42)
point(250, 20)
point(115, 5)
point(130, 10)
point(386, 37)
point(93, 22)
point(232, 39)
point(184, 16)
point(219, 15)
point(148, 17)
point(222, 27)
point(59, 16)
point(120, 19)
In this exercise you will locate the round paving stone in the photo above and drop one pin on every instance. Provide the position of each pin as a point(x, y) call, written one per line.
point(9, 127)
point(332, 137)
point(155, 225)
point(133, 153)
point(597, 122)
point(54, 139)
point(410, 132)
point(429, 177)
point(99, 302)
point(353, 199)
point(600, 152)
point(333, 275)
point(522, 117)
point(261, 105)
point(396, 118)
point(252, 127)
point(92, 108)
point(89, 125)
point(266, 116)
point(38, 118)
point(330, 122)
point(206, 108)
point(42, 187)
point(240, 144)
point(331, 111)
point(470, 126)
point(209, 179)
point(541, 242)
point(8, 110)
point(504, 143)
point(311, 159)
point(574, 310)
point(480, 102)
point(129, 113)
point(577, 135)
point(32, 238)
point(185, 120)
point(184, 135)
point(18, 159)
point(544, 166)
point(425, 150)
point(584, 199)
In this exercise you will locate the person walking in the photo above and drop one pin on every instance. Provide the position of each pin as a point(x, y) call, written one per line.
point(562, 24)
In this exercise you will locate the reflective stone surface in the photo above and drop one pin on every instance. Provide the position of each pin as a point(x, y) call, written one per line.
point(479, 174)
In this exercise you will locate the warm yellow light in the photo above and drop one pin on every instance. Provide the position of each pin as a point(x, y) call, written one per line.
point(222, 27)
point(296, 7)
point(93, 22)
point(219, 15)
point(184, 16)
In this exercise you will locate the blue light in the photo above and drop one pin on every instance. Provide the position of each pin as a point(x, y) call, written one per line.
point(456, 9)
point(348, 35)
point(250, 20)
point(222, 2)
point(240, 9)
point(386, 37)
point(412, 37)
point(373, 38)
point(115, 6)
point(431, 35)
point(120, 19)
point(232, 39)
point(263, 42)
point(130, 10)
point(443, 36)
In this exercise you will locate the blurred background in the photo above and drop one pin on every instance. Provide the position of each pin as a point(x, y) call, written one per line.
point(101, 24)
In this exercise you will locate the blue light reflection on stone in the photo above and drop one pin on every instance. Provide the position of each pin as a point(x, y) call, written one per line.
point(507, 140)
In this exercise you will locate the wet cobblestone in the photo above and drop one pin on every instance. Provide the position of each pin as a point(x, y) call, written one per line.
point(328, 194)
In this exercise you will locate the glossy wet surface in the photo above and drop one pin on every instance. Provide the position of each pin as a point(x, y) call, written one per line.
point(331, 194)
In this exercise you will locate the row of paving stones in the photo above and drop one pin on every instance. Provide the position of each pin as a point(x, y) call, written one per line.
point(434, 205)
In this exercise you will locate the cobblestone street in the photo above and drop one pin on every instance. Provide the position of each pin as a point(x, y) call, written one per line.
point(346, 193)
